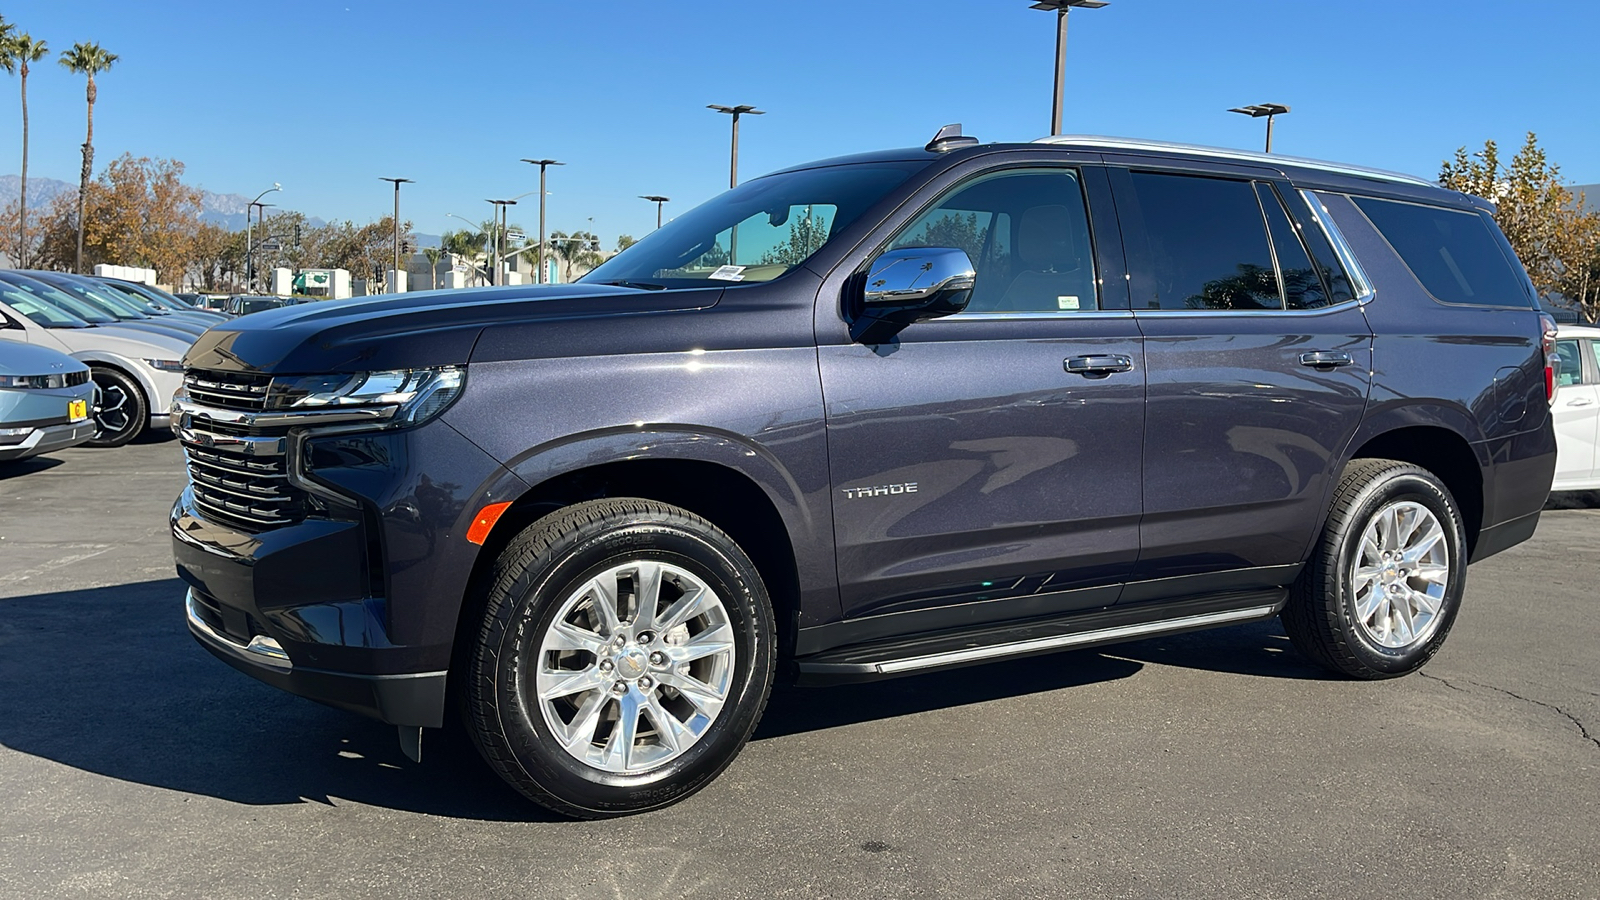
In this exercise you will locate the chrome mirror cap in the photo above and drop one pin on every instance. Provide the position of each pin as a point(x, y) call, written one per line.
point(917, 273)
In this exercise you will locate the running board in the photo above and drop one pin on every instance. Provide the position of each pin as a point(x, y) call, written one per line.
point(924, 653)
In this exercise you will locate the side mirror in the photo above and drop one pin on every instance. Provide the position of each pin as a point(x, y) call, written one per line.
point(910, 285)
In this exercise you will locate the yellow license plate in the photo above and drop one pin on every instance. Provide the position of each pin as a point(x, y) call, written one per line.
point(77, 410)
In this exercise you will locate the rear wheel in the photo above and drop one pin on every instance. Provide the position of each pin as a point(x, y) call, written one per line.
point(120, 412)
point(626, 654)
point(1383, 584)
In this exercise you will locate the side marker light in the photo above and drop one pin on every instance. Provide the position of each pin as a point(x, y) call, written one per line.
point(484, 523)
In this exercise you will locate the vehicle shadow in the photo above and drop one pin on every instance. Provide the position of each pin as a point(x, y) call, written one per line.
point(1259, 649)
point(1573, 500)
point(18, 468)
point(108, 680)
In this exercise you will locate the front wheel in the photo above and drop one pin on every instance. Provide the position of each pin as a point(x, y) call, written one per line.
point(1384, 582)
point(625, 656)
point(119, 408)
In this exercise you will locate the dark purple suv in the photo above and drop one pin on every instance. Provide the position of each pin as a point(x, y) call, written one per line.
point(870, 417)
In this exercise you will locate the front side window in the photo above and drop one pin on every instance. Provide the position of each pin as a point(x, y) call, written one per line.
point(1205, 243)
point(1452, 252)
point(755, 232)
point(1027, 234)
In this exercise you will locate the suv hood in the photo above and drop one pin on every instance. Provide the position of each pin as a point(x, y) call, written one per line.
point(404, 331)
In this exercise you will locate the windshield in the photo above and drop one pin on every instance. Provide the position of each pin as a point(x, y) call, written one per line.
point(63, 301)
point(108, 301)
point(40, 312)
point(128, 294)
point(755, 232)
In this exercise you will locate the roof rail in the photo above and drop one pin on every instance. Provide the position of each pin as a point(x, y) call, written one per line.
point(1277, 159)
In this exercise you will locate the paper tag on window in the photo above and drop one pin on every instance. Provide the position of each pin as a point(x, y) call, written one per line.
point(734, 273)
point(1067, 301)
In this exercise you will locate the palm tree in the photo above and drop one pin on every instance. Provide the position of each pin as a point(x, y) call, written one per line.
point(90, 60)
point(433, 255)
point(15, 54)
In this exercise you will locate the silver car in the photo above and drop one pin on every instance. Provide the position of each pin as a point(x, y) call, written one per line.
point(45, 401)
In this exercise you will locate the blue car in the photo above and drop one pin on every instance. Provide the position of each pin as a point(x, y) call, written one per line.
point(46, 399)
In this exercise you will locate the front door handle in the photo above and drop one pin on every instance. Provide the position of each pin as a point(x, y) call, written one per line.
point(1326, 359)
point(1098, 366)
point(1580, 401)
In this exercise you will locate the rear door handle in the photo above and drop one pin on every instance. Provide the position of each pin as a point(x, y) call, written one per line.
point(1098, 366)
point(1580, 401)
point(1326, 359)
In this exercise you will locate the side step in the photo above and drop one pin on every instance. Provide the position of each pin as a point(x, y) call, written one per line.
point(949, 649)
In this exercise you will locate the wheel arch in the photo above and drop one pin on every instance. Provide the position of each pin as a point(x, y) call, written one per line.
point(126, 366)
point(1442, 450)
point(743, 492)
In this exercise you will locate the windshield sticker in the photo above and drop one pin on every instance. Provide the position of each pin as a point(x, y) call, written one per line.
point(728, 273)
point(1067, 301)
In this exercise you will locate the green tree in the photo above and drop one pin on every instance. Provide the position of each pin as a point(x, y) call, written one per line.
point(578, 250)
point(433, 255)
point(806, 235)
point(624, 241)
point(16, 53)
point(1537, 213)
point(90, 60)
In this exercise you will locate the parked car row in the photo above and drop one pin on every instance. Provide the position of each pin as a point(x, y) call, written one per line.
point(88, 360)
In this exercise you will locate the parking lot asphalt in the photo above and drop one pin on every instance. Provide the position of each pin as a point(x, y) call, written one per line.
point(1219, 764)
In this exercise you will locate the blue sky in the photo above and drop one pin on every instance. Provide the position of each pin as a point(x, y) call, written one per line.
point(326, 97)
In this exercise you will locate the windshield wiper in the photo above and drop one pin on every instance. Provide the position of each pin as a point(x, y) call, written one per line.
point(642, 285)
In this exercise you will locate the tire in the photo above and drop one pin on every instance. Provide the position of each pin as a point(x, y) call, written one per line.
point(1361, 612)
point(120, 411)
point(521, 662)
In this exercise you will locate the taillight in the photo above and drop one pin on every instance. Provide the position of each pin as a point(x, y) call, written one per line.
point(1552, 362)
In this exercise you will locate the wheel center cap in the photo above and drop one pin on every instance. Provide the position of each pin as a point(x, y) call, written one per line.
point(631, 663)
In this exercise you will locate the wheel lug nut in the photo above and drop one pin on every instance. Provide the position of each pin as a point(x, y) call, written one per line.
point(605, 665)
point(658, 658)
point(646, 637)
point(646, 683)
point(619, 687)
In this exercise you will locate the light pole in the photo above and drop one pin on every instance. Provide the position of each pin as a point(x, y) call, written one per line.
point(1061, 7)
point(397, 182)
point(657, 199)
point(736, 112)
point(261, 216)
point(1258, 110)
point(542, 164)
point(499, 213)
point(249, 245)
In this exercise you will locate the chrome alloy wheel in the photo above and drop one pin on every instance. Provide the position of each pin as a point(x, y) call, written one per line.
point(635, 666)
point(1399, 575)
point(111, 415)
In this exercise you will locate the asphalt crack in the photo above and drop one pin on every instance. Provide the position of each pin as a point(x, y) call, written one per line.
point(1582, 729)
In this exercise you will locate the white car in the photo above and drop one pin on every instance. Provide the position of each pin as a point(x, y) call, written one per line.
point(1577, 410)
point(135, 373)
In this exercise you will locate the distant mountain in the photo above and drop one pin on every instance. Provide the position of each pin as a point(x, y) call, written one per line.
point(226, 210)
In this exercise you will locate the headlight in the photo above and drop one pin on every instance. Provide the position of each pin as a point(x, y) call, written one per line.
point(165, 365)
point(40, 382)
point(419, 394)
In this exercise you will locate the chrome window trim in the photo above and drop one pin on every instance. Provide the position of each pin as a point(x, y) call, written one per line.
point(1274, 160)
point(1251, 313)
point(1036, 315)
point(1347, 257)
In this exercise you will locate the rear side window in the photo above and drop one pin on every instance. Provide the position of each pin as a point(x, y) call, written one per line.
point(1572, 354)
point(1302, 286)
point(1207, 244)
point(1453, 253)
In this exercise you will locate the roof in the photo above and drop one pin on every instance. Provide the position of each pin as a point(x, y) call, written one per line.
point(1578, 331)
point(1100, 142)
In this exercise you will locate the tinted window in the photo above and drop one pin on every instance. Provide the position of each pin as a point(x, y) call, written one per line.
point(1302, 286)
point(1453, 253)
point(1027, 234)
point(1333, 273)
point(1207, 244)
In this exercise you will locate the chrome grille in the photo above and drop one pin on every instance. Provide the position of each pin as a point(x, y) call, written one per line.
point(227, 390)
point(238, 472)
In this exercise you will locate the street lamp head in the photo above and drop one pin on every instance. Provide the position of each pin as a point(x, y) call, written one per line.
point(276, 186)
point(743, 109)
point(541, 163)
point(397, 181)
point(1257, 110)
point(654, 198)
point(1064, 5)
